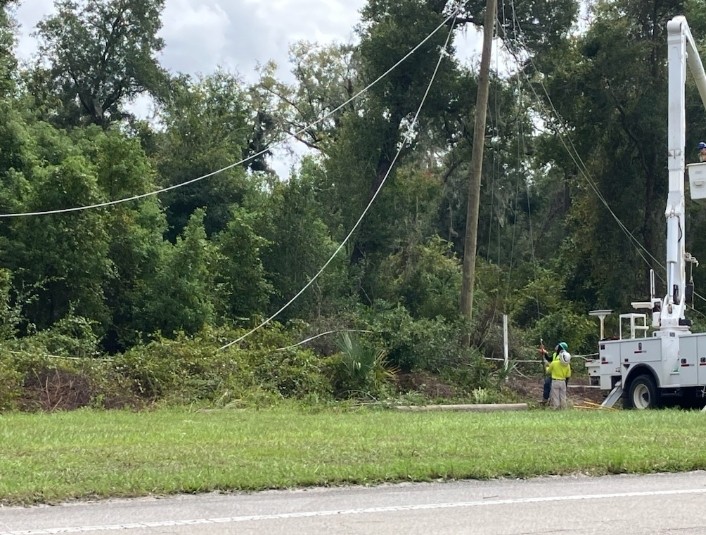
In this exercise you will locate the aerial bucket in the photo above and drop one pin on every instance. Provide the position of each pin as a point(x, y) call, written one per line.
point(697, 180)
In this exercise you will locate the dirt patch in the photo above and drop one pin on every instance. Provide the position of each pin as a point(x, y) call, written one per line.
point(518, 388)
point(580, 393)
point(61, 390)
point(51, 390)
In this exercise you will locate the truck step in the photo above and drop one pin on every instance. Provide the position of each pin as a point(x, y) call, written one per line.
point(614, 396)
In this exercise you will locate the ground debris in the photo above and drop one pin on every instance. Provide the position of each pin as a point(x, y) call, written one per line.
point(580, 394)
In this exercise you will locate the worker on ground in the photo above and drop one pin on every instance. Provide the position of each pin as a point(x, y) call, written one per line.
point(702, 151)
point(560, 371)
point(547, 359)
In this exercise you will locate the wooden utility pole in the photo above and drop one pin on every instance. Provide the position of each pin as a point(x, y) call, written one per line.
point(471, 238)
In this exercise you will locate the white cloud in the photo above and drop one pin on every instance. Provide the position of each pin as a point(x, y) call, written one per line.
point(195, 35)
point(237, 35)
point(27, 15)
point(264, 31)
point(314, 20)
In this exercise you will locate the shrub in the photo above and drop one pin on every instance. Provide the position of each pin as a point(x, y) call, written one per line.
point(424, 277)
point(423, 344)
point(293, 373)
point(195, 368)
point(72, 336)
point(10, 382)
point(33, 381)
point(359, 370)
point(181, 370)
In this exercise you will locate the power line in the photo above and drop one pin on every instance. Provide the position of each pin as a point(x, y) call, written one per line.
point(322, 334)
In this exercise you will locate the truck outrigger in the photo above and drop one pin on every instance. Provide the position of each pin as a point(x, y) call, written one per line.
point(644, 368)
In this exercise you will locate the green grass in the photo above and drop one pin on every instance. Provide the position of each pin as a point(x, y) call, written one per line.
point(61, 456)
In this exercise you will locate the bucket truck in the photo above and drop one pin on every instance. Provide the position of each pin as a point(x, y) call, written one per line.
point(648, 365)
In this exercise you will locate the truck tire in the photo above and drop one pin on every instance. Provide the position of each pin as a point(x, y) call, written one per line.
point(642, 394)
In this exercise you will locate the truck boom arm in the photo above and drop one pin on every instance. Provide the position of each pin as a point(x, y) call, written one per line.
point(682, 52)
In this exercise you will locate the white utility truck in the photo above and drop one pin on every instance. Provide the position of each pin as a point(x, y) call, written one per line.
point(650, 364)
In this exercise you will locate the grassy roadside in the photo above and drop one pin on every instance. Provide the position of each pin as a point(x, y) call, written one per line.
point(62, 456)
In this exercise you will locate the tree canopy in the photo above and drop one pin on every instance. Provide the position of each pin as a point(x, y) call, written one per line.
point(98, 56)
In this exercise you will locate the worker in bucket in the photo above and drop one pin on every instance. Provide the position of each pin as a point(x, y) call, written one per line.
point(702, 151)
point(547, 359)
point(560, 371)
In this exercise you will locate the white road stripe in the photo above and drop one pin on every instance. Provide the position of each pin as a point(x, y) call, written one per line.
point(308, 514)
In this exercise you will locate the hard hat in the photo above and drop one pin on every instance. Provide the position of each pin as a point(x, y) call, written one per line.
point(565, 357)
point(563, 345)
point(702, 145)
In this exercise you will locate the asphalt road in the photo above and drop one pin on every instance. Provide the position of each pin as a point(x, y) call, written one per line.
point(650, 504)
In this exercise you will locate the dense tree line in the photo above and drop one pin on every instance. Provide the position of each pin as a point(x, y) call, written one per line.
point(231, 248)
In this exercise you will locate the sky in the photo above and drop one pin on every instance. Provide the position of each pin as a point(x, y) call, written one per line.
point(201, 35)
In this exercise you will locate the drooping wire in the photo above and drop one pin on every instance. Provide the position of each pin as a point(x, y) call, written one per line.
point(312, 338)
point(443, 53)
point(500, 23)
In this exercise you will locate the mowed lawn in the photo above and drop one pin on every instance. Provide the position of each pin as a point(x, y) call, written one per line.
point(89, 454)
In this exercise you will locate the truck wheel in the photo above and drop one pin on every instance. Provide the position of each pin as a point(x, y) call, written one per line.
point(642, 394)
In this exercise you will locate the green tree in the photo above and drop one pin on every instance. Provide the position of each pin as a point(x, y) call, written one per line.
point(510, 198)
point(135, 229)
point(206, 129)
point(299, 245)
point(610, 90)
point(63, 255)
point(389, 30)
point(180, 296)
point(10, 317)
point(243, 289)
point(8, 62)
point(325, 78)
point(425, 278)
point(100, 55)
